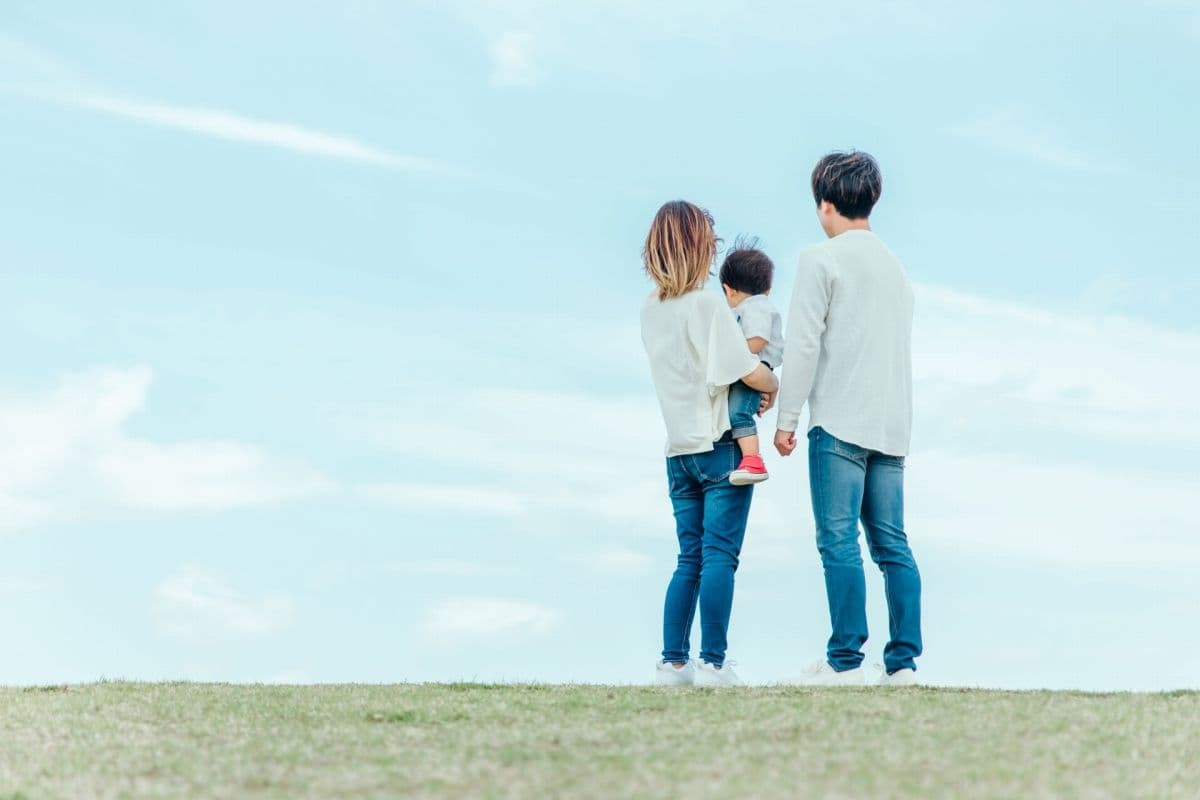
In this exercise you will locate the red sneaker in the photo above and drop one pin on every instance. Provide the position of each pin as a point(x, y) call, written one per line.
point(751, 470)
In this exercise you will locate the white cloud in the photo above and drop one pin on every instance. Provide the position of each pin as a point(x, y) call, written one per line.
point(25, 584)
point(446, 567)
point(987, 364)
point(622, 562)
point(1014, 131)
point(1182, 15)
point(1033, 435)
point(471, 618)
point(66, 453)
point(28, 70)
point(24, 66)
point(621, 38)
point(194, 605)
point(1052, 510)
point(481, 499)
point(201, 475)
point(512, 60)
point(291, 677)
point(235, 127)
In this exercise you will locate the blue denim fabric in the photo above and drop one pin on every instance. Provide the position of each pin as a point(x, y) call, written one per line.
point(850, 483)
point(743, 407)
point(710, 521)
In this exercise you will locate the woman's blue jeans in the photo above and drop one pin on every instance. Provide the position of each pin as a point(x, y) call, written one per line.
point(850, 483)
point(710, 521)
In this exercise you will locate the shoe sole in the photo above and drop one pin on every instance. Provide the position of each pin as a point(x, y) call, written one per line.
point(674, 679)
point(824, 685)
point(716, 685)
point(738, 478)
point(859, 681)
point(883, 685)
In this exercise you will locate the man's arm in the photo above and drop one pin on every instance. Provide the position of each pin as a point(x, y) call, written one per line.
point(802, 344)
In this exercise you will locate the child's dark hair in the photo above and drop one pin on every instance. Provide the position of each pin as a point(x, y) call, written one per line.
point(746, 268)
point(850, 180)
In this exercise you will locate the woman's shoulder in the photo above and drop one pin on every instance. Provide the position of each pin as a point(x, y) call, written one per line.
point(704, 300)
point(695, 300)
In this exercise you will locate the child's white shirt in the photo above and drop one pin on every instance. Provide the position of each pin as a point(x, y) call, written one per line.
point(760, 319)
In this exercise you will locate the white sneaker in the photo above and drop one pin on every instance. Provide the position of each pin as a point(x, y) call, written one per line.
point(901, 677)
point(668, 675)
point(716, 677)
point(819, 673)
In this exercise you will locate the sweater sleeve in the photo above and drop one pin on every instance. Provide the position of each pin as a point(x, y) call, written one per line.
point(805, 326)
point(727, 359)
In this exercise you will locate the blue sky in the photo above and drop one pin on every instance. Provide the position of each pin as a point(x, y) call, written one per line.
point(323, 363)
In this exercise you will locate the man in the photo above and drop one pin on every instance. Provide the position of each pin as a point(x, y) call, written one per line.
point(849, 354)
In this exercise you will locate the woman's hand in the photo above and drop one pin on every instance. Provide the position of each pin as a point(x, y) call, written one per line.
point(767, 403)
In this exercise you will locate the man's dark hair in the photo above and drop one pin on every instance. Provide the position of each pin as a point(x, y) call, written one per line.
point(850, 180)
point(746, 268)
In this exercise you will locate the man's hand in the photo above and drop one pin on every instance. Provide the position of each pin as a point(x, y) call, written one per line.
point(785, 442)
point(767, 402)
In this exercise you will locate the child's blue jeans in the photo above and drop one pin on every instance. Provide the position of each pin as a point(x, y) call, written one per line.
point(743, 407)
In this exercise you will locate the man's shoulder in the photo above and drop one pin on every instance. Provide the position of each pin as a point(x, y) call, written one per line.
point(818, 256)
point(817, 249)
point(859, 242)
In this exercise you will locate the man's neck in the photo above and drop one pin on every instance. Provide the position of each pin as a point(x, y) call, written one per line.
point(842, 224)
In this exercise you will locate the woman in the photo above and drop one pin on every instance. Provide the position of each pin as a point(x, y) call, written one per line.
point(696, 351)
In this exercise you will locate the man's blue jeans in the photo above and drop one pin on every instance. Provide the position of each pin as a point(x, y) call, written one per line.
point(849, 482)
point(710, 521)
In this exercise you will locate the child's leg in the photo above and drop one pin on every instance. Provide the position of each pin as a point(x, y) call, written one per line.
point(743, 406)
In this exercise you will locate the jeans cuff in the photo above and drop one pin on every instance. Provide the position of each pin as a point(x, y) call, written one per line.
point(742, 433)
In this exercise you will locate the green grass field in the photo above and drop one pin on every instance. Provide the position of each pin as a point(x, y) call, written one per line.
point(204, 740)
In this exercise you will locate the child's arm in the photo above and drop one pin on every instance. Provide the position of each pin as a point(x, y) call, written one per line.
point(756, 321)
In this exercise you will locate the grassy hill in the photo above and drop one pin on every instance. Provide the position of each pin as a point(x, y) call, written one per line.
point(453, 741)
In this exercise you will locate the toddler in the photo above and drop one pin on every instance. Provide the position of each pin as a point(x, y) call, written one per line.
point(746, 276)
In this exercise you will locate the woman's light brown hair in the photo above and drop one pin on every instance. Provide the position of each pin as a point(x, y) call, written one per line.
point(680, 248)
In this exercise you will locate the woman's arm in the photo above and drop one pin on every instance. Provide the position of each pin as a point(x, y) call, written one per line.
point(762, 379)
